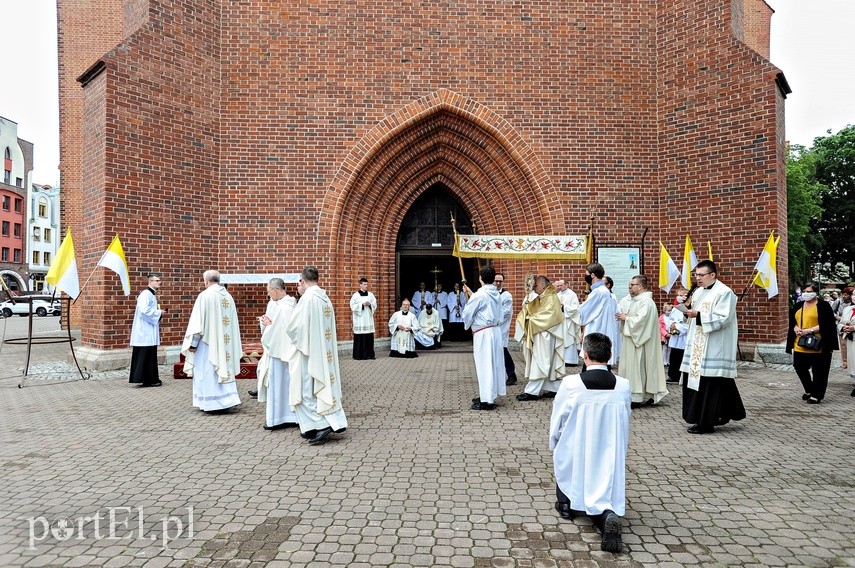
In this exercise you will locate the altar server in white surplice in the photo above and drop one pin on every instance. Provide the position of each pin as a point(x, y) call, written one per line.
point(403, 326)
point(540, 331)
point(589, 438)
point(483, 315)
point(429, 334)
point(597, 313)
point(421, 298)
point(212, 347)
point(145, 336)
point(315, 375)
point(441, 302)
point(641, 350)
point(274, 379)
point(363, 304)
point(572, 322)
point(455, 303)
point(507, 316)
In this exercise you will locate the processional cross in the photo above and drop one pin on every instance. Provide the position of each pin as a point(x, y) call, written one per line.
point(436, 272)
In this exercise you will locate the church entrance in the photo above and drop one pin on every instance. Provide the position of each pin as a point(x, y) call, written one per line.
point(426, 242)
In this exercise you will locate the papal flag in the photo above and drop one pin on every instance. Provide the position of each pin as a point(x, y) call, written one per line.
point(690, 261)
point(766, 267)
point(62, 273)
point(668, 271)
point(114, 259)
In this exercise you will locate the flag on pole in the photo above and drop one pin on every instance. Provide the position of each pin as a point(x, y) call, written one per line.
point(690, 261)
point(766, 267)
point(114, 259)
point(709, 249)
point(668, 271)
point(62, 273)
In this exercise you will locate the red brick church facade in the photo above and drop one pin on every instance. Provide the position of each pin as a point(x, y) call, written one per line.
point(263, 136)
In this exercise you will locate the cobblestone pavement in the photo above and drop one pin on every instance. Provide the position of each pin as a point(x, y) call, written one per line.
point(417, 480)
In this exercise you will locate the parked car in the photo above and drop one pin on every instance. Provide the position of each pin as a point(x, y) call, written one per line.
point(40, 308)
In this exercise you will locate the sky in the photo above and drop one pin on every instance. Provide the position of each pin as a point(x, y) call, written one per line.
point(812, 43)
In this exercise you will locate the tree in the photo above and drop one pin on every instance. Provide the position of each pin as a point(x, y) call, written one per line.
point(835, 169)
point(804, 198)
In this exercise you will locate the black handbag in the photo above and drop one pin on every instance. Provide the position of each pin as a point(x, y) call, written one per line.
point(808, 341)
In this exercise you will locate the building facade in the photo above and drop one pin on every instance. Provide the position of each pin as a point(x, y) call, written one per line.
point(43, 236)
point(17, 168)
point(264, 136)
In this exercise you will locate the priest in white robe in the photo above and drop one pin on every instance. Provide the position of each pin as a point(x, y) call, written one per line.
point(440, 302)
point(483, 315)
point(403, 326)
point(710, 395)
point(589, 438)
point(456, 302)
point(145, 336)
point(572, 322)
point(641, 349)
point(597, 313)
point(421, 298)
point(540, 331)
point(315, 389)
point(429, 334)
point(363, 304)
point(274, 379)
point(212, 347)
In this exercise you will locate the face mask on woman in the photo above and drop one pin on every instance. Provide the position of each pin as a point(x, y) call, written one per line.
point(808, 296)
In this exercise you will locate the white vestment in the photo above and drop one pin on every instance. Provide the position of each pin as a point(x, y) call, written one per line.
point(572, 325)
point(441, 301)
point(597, 315)
point(430, 328)
point(403, 341)
point(274, 379)
point(507, 315)
point(315, 390)
point(677, 318)
point(420, 300)
point(456, 302)
point(363, 316)
point(589, 438)
point(145, 331)
point(641, 351)
point(483, 315)
point(543, 354)
point(213, 330)
point(268, 311)
point(711, 347)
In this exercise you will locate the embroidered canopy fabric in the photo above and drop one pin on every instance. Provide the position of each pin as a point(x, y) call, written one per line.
point(562, 247)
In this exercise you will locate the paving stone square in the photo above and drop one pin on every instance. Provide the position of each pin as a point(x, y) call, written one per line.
point(418, 479)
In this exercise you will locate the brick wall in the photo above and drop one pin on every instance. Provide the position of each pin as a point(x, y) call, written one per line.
point(264, 136)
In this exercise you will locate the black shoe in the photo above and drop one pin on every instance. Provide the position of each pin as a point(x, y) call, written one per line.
point(696, 429)
point(806, 396)
point(813, 400)
point(146, 385)
point(549, 394)
point(611, 532)
point(525, 396)
point(482, 406)
point(564, 510)
point(321, 436)
point(511, 381)
point(649, 402)
point(635, 404)
point(280, 426)
point(308, 435)
point(476, 399)
point(253, 394)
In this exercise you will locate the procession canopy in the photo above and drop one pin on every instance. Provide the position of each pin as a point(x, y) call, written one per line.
point(524, 247)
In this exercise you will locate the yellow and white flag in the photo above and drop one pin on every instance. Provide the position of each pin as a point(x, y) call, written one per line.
point(668, 272)
point(690, 261)
point(62, 273)
point(114, 259)
point(766, 267)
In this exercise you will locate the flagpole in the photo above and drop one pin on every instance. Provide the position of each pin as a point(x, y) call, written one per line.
point(91, 274)
point(459, 259)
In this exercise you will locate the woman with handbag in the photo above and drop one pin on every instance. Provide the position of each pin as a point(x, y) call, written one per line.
point(812, 339)
point(847, 336)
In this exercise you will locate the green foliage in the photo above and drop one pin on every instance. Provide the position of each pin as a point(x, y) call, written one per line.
point(835, 169)
point(804, 199)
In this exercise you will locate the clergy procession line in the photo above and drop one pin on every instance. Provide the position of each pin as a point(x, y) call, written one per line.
point(300, 383)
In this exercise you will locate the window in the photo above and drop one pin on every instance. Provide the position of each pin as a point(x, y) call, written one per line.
point(37, 234)
point(5, 256)
point(37, 258)
point(19, 182)
point(42, 208)
point(18, 204)
point(6, 203)
point(47, 236)
point(17, 255)
point(5, 228)
point(46, 258)
point(7, 166)
point(17, 232)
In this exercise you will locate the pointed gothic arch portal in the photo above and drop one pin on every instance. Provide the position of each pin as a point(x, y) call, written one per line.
point(423, 251)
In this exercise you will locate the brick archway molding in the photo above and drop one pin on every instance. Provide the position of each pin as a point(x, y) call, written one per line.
point(441, 138)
